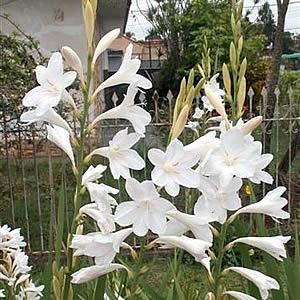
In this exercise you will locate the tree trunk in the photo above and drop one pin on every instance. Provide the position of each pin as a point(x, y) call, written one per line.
point(272, 80)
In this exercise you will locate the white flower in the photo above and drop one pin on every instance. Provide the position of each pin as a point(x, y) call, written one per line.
point(92, 174)
point(30, 292)
point(20, 262)
point(61, 138)
point(216, 199)
point(104, 219)
point(195, 247)
point(198, 225)
point(146, 211)
point(274, 245)
point(173, 168)
point(198, 113)
point(2, 295)
point(90, 273)
point(53, 82)
point(10, 239)
point(99, 193)
point(215, 87)
point(50, 116)
point(239, 295)
point(203, 146)
point(121, 157)
point(103, 247)
point(270, 205)
point(138, 117)
point(260, 162)
point(126, 74)
point(192, 125)
point(232, 158)
point(263, 282)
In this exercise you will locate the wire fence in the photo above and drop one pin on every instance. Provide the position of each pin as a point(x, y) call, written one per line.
point(35, 174)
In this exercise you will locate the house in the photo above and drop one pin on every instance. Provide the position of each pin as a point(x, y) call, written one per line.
point(58, 23)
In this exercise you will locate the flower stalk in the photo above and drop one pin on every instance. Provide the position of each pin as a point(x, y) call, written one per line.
point(80, 167)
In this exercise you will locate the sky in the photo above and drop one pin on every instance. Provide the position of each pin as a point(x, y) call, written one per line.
point(139, 25)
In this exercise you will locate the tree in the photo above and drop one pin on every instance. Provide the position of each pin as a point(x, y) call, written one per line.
point(186, 24)
point(266, 19)
point(272, 80)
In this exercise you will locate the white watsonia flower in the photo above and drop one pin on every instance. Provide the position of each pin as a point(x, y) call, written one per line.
point(203, 146)
point(215, 87)
point(192, 125)
point(126, 74)
point(146, 211)
point(53, 82)
point(174, 168)
point(20, 262)
point(100, 194)
point(217, 199)
point(61, 138)
point(50, 116)
point(10, 239)
point(260, 162)
point(136, 115)
point(195, 247)
point(2, 295)
point(104, 219)
point(30, 292)
point(270, 205)
point(121, 157)
point(262, 281)
point(92, 174)
point(239, 295)
point(274, 245)
point(198, 225)
point(198, 113)
point(90, 273)
point(233, 157)
point(103, 247)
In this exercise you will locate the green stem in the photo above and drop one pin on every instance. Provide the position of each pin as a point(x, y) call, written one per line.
point(218, 267)
point(80, 167)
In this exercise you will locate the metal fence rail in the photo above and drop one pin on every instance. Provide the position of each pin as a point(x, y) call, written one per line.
point(34, 173)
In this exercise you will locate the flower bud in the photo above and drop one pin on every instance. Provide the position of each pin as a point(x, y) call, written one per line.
point(210, 296)
point(73, 61)
point(241, 97)
point(180, 122)
point(215, 101)
point(89, 21)
point(104, 43)
point(252, 124)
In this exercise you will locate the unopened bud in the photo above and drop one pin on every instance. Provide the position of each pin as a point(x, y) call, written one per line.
point(215, 101)
point(89, 21)
point(75, 171)
point(105, 42)
point(241, 97)
point(252, 124)
point(73, 61)
point(87, 159)
point(210, 296)
point(180, 122)
point(90, 128)
point(74, 141)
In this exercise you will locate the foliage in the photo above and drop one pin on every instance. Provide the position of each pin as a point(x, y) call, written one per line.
point(290, 79)
point(18, 61)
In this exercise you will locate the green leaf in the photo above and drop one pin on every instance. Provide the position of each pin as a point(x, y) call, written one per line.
point(99, 290)
point(60, 223)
